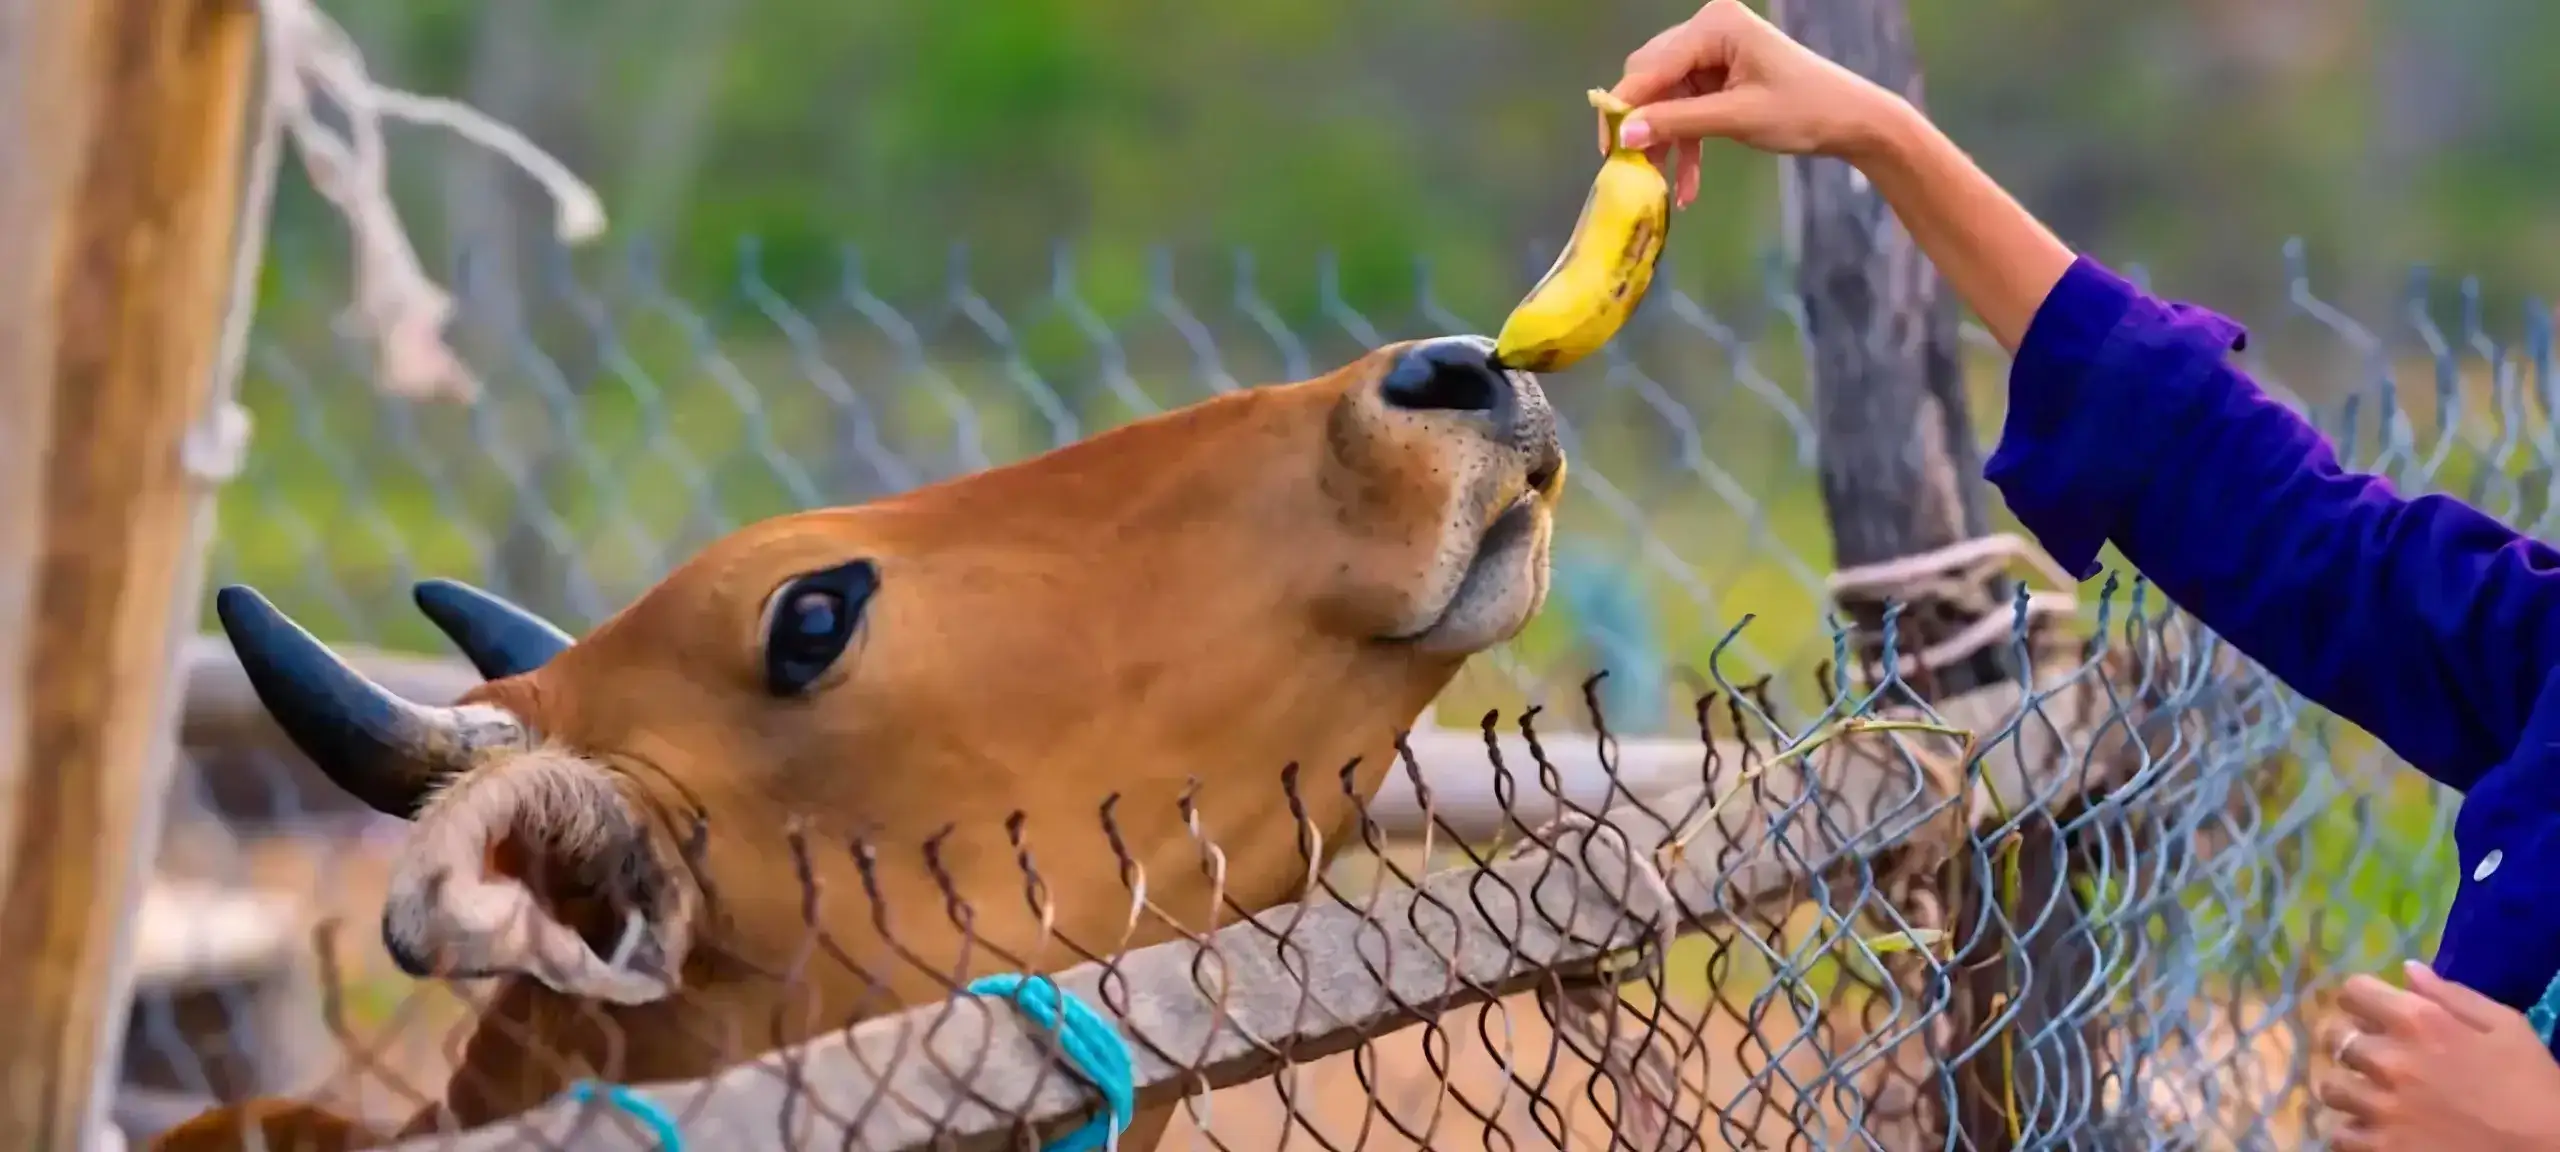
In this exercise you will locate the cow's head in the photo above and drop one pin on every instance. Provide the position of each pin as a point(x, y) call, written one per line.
point(1281, 574)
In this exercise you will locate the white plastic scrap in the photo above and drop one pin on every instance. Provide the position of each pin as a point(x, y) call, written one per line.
point(404, 311)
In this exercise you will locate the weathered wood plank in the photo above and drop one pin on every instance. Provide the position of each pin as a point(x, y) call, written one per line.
point(131, 263)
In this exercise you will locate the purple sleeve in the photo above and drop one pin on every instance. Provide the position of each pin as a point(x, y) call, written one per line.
point(2425, 622)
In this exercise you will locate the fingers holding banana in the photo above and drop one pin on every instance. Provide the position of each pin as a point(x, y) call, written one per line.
point(1725, 73)
point(1728, 73)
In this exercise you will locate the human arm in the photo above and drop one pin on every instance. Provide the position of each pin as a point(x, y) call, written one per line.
point(2425, 621)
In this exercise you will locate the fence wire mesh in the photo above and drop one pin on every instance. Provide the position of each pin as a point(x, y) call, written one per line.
point(1756, 932)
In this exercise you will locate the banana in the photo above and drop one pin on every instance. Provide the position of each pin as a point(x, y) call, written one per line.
point(1605, 267)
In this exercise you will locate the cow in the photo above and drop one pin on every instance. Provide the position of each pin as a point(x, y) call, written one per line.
point(1185, 605)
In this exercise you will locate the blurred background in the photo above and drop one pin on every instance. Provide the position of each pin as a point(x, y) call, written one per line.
point(2190, 134)
point(857, 247)
point(923, 237)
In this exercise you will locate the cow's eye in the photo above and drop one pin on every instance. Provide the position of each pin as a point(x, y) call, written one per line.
point(812, 619)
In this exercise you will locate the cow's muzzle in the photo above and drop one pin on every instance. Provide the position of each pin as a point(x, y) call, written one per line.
point(1458, 374)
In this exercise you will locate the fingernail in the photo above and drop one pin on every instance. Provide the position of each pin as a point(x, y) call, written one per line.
point(2417, 970)
point(1634, 133)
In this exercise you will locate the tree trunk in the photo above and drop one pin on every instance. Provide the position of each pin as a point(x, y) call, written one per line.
point(120, 138)
point(1900, 473)
point(1899, 463)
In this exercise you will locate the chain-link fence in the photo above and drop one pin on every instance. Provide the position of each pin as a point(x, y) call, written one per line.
point(1773, 901)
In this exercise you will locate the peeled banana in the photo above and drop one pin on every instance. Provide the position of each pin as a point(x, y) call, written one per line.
point(1605, 267)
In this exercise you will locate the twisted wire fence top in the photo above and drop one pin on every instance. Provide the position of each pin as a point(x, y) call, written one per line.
point(1506, 985)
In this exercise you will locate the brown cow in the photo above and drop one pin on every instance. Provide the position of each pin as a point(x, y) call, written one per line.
point(1283, 574)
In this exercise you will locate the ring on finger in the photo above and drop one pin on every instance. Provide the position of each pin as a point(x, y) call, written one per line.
point(2345, 1043)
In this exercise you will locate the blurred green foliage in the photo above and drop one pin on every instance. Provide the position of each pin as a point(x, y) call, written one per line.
point(2191, 135)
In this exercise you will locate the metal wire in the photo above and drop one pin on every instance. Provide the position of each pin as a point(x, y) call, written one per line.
point(2230, 855)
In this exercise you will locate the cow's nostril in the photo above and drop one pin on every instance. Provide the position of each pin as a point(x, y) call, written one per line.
point(1446, 376)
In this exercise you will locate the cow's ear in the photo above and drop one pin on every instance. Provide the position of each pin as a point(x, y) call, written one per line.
point(543, 866)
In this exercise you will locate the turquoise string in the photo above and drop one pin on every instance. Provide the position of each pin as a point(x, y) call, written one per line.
point(635, 1105)
point(2545, 1011)
point(1092, 1045)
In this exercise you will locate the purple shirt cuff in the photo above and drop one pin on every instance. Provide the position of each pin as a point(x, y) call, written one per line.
point(2101, 361)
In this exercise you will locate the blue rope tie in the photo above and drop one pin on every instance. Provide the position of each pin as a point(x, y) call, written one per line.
point(2545, 1011)
point(636, 1106)
point(1092, 1045)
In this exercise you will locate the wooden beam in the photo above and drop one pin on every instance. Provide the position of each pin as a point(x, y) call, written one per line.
point(130, 131)
point(41, 112)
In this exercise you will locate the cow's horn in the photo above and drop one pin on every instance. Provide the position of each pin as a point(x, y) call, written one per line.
point(500, 639)
point(388, 752)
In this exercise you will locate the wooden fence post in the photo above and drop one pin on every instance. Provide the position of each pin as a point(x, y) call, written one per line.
point(121, 125)
point(1900, 474)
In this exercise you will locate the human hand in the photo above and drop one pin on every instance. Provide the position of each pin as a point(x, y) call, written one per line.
point(1728, 73)
point(2436, 1066)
